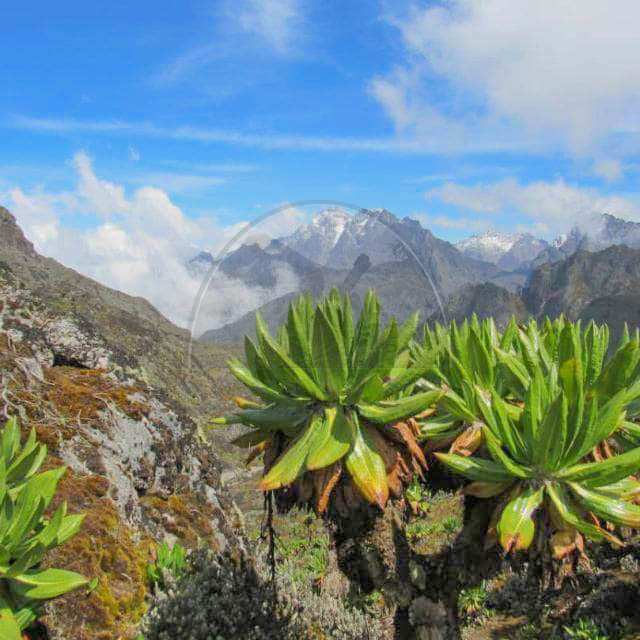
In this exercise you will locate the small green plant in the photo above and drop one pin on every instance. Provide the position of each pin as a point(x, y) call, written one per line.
point(472, 602)
point(451, 524)
point(584, 629)
point(26, 534)
point(170, 561)
point(529, 631)
point(417, 496)
point(420, 529)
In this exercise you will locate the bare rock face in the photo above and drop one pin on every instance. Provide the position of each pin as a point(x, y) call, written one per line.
point(603, 286)
point(485, 300)
point(136, 465)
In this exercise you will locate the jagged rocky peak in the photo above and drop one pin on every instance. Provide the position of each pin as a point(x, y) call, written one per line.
point(200, 263)
point(335, 237)
point(507, 250)
point(599, 232)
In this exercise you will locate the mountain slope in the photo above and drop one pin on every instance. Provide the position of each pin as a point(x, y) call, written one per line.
point(141, 342)
point(137, 468)
point(604, 286)
point(486, 300)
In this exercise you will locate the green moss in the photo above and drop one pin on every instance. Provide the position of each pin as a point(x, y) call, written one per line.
point(107, 549)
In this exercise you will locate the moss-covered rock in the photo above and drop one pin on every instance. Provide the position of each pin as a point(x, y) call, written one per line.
point(136, 466)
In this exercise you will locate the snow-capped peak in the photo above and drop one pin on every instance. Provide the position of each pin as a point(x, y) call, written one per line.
point(507, 250)
point(335, 238)
point(491, 241)
point(329, 223)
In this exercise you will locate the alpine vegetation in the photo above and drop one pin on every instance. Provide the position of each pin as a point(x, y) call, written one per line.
point(26, 534)
point(542, 418)
point(337, 396)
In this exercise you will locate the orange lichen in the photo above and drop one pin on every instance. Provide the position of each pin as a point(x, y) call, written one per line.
point(82, 394)
point(187, 516)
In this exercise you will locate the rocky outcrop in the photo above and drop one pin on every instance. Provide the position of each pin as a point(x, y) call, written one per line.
point(486, 300)
point(570, 286)
point(140, 341)
point(88, 378)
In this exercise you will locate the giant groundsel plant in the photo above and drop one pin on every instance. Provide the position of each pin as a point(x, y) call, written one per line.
point(336, 401)
point(465, 355)
point(557, 449)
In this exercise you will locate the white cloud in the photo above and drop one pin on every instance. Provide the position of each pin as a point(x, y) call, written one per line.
point(553, 206)
point(517, 67)
point(609, 170)
point(104, 198)
point(134, 154)
point(140, 243)
point(442, 221)
point(276, 22)
point(242, 34)
point(440, 143)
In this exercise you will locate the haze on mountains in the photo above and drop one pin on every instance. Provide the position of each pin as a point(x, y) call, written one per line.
point(407, 264)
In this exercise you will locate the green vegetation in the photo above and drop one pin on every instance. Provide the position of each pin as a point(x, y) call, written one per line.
point(170, 562)
point(472, 603)
point(541, 420)
point(27, 533)
point(565, 403)
point(417, 496)
point(335, 394)
point(584, 629)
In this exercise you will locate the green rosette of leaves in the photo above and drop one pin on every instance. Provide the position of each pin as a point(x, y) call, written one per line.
point(336, 399)
point(556, 465)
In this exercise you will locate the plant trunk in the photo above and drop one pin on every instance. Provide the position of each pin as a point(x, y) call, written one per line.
point(372, 551)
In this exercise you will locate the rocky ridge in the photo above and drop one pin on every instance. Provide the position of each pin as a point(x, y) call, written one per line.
point(137, 466)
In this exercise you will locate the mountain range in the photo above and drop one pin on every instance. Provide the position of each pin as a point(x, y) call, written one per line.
point(409, 266)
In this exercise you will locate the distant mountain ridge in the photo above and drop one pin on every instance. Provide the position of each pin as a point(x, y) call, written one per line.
point(508, 251)
point(407, 264)
point(410, 267)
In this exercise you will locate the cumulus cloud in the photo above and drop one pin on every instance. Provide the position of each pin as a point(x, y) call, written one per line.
point(550, 206)
point(140, 243)
point(515, 68)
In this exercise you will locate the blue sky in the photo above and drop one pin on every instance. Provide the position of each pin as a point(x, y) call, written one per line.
point(469, 116)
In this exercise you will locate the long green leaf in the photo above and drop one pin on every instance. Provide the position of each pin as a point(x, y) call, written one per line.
point(597, 474)
point(365, 465)
point(48, 583)
point(516, 528)
point(615, 511)
point(332, 440)
point(394, 410)
point(476, 469)
point(292, 462)
point(573, 518)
